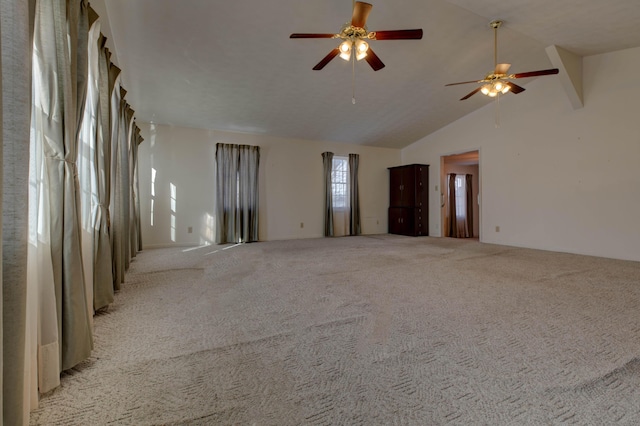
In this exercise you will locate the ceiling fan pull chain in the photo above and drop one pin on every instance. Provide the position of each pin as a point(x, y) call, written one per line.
point(497, 111)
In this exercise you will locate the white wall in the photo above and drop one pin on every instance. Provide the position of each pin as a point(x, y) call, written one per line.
point(290, 178)
point(552, 177)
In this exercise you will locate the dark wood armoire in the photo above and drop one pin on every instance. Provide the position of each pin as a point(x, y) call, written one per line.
point(409, 200)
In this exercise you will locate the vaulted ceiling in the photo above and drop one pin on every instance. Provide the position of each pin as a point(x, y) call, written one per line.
point(230, 65)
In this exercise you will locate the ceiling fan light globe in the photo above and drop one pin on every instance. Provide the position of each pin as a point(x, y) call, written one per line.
point(361, 55)
point(505, 89)
point(493, 94)
point(485, 90)
point(345, 49)
point(498, 86)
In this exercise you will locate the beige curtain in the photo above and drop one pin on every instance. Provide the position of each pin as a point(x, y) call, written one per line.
point(117, 131)
point(103, 265)
point(87, 173)
point(136, 232)
point(59, 22)
point(133, 224)
point(58, 295)
point(15, 104)
point(119, 208)
point(122, 203)
point(42, 295)
point(115, 121)
point(139, 140)
point(126, 186)
point(94, 176)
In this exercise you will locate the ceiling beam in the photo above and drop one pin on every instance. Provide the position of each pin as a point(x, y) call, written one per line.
point(570, 66)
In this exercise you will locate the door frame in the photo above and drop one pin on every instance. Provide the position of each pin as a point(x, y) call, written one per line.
point(443, 186)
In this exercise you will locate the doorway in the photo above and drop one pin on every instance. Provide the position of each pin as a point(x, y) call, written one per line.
point(461, 164)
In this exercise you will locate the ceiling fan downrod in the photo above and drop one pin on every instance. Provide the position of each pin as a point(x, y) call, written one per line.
point(495, 25)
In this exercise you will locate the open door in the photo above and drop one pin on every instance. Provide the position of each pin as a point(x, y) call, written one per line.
point(461, 165)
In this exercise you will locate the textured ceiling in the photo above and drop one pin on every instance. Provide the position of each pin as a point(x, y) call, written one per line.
point(232, 66)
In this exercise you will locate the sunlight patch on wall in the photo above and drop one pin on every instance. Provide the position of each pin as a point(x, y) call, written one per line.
point(174, 204)
point(207, 235)
point(152, 131)
point(153, 191)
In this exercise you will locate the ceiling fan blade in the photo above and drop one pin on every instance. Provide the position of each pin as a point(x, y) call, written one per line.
point(360, 14)
point(373, 60)
point(327, 59)
point(399, 35)
point(304, 35)
point(515, 89)
point(502, 68)
point(464, 82)
point(476, 90)
point(536, 73)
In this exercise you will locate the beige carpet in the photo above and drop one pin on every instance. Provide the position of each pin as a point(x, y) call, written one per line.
point(375, 330)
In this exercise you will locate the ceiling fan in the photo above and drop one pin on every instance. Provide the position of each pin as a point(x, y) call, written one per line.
point(354, 35)
point(497, 82)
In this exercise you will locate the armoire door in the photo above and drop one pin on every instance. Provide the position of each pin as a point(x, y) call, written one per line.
point(401, 221)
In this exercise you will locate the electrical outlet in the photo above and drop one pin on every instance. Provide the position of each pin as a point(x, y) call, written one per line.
point(497, 229)
point(301, 224)
point(190, 230)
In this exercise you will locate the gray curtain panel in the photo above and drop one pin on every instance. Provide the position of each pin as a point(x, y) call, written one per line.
point(249, 161)
point(15, 112)
point(469, 198)
point(60, 143)
point(226, 192)
point(327, 164)
point(354, 196)
point(236, 193)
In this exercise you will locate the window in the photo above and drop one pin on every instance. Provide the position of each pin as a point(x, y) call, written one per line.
point(340, 182)
point(461, 197)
